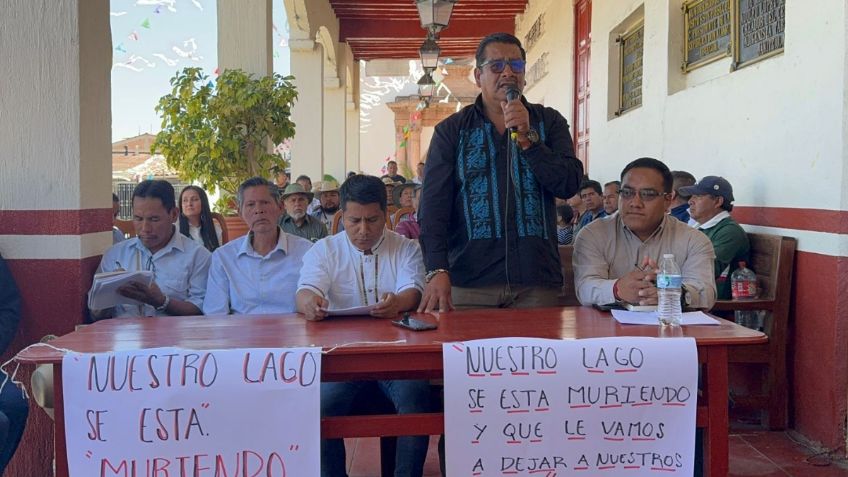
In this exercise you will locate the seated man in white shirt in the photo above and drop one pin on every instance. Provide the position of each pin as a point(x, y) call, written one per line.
point(366, 265)
point(179, 264)
point(256, 273)
point(615, 258)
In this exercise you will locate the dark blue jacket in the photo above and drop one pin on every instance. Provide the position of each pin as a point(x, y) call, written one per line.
point(10, 306)
point(487, 205)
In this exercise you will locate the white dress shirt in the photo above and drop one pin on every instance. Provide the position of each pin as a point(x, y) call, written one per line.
point(194, 233)
point(348, 278)
point(241, 281)
point(179, 269)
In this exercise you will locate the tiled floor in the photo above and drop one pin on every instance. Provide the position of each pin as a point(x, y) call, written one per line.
point(752, 453)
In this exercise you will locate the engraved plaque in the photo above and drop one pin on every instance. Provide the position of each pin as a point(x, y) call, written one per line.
point(630, 80)
point(707, 31)
point(760, 31)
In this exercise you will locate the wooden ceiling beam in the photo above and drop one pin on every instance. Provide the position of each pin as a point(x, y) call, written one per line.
point(412, 29)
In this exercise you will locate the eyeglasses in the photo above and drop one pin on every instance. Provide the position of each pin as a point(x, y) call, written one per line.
point(497, 66)
point(647, 195)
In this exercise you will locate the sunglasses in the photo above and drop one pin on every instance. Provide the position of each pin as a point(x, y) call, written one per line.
point(498, 66)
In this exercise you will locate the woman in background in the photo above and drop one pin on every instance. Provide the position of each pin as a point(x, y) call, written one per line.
point(196, 218)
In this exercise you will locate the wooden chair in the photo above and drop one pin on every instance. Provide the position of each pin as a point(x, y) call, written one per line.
point(225, 235)
point(126, 226)
point(336, 219)
point(400, 213)
point(772, 258)
point(568, 295)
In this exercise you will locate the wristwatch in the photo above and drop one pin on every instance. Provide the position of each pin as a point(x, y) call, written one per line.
point(529, 139)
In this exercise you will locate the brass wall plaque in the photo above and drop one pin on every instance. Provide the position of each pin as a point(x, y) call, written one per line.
point(631, 45)
point(706, 31)
point(760, 32)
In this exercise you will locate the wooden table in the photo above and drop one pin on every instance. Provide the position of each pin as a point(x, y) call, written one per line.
point(419, 357)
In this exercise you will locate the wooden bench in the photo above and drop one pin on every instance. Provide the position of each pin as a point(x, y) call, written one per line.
point(772, 259)
point(127, 227)
point(568, 295)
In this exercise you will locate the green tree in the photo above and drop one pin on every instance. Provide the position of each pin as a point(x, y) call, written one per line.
point(221, 134)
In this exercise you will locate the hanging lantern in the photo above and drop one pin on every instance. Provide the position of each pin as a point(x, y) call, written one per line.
point(435, 14)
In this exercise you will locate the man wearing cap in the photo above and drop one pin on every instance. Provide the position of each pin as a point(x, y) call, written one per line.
point(390, 191)
point(328, 197)
point(297, 221)
point(488, 217)
point(679, 208)
point(710, 205)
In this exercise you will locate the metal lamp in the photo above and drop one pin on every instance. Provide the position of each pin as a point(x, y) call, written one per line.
point(426, 87)
point(435, 14)
point(429, 53)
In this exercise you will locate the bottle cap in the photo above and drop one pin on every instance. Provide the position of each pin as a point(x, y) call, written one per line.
point(742, 264)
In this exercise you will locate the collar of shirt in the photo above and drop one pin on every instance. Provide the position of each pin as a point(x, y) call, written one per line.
point(176, 242)
point(655, 233)
point(247, 246)
point(374, 249)
point(713, 221)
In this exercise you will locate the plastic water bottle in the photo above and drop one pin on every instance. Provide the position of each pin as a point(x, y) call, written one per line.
point(743, 286)
point(669, 281)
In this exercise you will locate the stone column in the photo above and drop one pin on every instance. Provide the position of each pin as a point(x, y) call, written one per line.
point(352, 140)
point(352, 117)
point(335, 127)
point(307, 66)
point(245, 36)
point(55, 205)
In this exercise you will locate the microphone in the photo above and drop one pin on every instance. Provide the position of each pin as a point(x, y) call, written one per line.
point(513, 94)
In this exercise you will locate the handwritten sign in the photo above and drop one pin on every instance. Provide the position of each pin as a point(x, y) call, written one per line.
point(525, 406)
point(175, 412)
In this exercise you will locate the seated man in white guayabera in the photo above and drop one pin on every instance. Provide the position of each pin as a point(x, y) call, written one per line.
point(179, 264)
point(256, 273)
point(366, 265)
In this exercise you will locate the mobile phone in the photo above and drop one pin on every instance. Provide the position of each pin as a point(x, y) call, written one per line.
point(608, 306)
point(414, 324)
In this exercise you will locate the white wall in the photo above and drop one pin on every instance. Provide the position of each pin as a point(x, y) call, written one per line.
point(54, 105)
point(377, 121)
point(557, 88)
point(775, 129)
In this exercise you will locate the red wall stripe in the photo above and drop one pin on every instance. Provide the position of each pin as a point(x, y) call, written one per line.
point(818, 358)
point(814, 220)
point(55, 222)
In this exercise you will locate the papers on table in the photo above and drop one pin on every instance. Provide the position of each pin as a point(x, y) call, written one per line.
point(104, 290)
point(358, 310)
point(652, 318)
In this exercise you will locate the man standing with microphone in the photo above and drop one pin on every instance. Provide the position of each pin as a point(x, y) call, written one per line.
point(488, 218)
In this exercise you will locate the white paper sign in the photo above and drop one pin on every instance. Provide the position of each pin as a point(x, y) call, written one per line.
point(176, 412)
point(536, 407)
point(652, 318)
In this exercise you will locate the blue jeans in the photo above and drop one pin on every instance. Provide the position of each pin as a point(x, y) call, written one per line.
point(13, 416)
point(408, 397)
